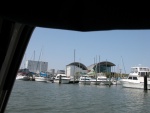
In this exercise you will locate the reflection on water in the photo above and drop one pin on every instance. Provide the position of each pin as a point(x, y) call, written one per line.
point(38, 97)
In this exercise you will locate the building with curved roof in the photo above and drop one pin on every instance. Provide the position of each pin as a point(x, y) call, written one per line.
point(76, 68)
point(104, 66)
point(78, 64)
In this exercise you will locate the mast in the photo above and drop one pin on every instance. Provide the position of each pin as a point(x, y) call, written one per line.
point(123, 65)
point(24, 65)
point(99, 65)
point(34, 70)
point(96, 69)
point(74, 67)
point(94, 66)
point(79, 68)
point(106, 67)
point(39, 63)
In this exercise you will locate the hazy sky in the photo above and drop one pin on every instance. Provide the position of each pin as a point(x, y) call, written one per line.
point(124, 48)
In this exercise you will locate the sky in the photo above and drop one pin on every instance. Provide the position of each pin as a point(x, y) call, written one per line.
point(124, 48)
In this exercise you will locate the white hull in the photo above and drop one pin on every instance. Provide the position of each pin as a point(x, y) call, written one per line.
point(62, 78)
point(85, 82)
point(101, 80)
point(95, 83)
point(40, 79)
point(116, 82)
point(137, 85)
point(63, 81)
point(20, 77)
point(106, 83)
point(85, 79)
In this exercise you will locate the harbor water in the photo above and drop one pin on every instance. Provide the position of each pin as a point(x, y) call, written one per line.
point(39, 97)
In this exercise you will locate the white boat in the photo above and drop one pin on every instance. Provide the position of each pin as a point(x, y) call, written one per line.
point(94, 81)
point(115, 81)
point(85, 79)
point(104, 80)
point(62, 78)
point(41, 77)
point(21, 76)
point(136, 78)
point(101, 80)
point(73, 81)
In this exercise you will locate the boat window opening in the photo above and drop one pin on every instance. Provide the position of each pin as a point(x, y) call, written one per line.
point(102, 79)
point(85, 79)
point(130, 78)
point(134, 78)
point(136, 70)
point(143, 73)
point(144, 69)
point(139, 73)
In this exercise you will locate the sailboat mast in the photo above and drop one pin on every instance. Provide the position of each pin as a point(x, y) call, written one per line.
point(96, 69)
point(123, 65)
point(34, 56)
point(99, 64)
point(39, 63)
point(25, 61)
point(74, 67)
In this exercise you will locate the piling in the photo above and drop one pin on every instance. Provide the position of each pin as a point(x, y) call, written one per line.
point(145, 81)
point(60, 79)
point(109, 81)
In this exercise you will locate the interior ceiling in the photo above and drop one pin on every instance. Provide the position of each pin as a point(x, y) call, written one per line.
point(84, 16)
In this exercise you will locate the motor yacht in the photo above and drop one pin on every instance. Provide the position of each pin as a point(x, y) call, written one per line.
point(135, 78)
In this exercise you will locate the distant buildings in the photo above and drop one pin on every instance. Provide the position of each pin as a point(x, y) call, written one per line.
point(73, 69)
point(36, 66)
point(78, 69)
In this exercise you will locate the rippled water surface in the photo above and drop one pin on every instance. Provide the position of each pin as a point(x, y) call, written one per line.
point(38, 97)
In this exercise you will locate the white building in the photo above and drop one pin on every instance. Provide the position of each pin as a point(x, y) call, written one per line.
point(75, 69)
point(36, 66)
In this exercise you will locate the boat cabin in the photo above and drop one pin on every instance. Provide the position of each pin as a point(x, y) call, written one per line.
point(141, 71)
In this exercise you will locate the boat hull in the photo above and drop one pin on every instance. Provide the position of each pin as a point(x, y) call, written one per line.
point(25, 78)
point(85, 82)
point(95, 83)
point(137, 85)
point(62, 81)
point(40, 79)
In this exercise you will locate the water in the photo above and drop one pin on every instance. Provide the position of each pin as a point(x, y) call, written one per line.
point(38, 97)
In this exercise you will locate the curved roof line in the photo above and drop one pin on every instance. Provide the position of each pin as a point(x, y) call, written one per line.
point(78, 64)
point(104, 63)
point(107, 63)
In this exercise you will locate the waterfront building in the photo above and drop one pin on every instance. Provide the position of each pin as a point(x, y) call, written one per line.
point(76, 69)
point(101, 67)
point(36, 66)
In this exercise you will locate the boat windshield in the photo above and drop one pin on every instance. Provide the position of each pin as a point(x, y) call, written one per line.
point(130, 78)
point(85, 78)
point(102, 78)
point(134, 70)
point(144, 69)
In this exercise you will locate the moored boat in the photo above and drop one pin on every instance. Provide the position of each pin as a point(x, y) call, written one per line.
point(62, 78)
point(85, 79)
point(136, 78)
point(21, 76)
